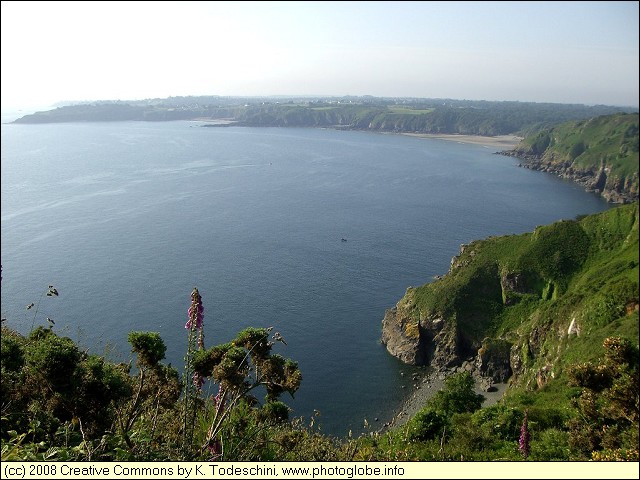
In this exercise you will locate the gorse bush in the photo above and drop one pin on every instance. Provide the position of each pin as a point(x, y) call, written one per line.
point(56, 383)
point(52, 360)
point(149, 347)
point(72, 405)
point(609, 403)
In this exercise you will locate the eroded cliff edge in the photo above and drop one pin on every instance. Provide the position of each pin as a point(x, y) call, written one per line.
point(514, 308)
point(601, 154)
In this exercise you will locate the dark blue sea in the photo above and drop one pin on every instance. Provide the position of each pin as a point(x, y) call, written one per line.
point(124, 219)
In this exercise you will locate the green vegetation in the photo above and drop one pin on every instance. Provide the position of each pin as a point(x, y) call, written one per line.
point(401, 109)
point(585, 269)
point(560, 302)
point(541, 302)
point(457, 396)
point(612, 139)
point(413, 115)
point(608, 404)
point(601, 153)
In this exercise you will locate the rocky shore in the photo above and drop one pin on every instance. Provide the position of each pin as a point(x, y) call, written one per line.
point(597, 180)
point(426, 385)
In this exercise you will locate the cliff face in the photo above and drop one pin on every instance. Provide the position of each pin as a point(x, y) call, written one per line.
point(415, 341)
point(600, 180)
point(401, 335)
point(431, 337)
point(511, 309)
point(601, 154)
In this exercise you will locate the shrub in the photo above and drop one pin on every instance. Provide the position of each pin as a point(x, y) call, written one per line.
point(274, 412)
point(608, 405)
point(52, 360)
point(149, 347)
point(457, 396)
point(427, 424)
point(499, 422)
point(550, 445)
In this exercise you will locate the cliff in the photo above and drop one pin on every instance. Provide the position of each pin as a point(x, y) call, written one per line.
point(601, 154)
point(519, 308)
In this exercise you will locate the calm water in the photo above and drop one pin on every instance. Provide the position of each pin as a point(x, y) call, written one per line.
point(124, 219)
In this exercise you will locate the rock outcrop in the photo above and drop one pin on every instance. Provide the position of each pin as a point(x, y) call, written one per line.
point(422, 341)
point(401, 335)
point(494, 360)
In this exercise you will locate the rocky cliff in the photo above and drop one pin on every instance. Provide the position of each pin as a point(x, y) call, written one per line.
point(514, 308)
point(600, 180)
point(601, 154)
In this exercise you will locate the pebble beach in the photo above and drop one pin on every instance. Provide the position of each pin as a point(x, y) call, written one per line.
point(426, 386)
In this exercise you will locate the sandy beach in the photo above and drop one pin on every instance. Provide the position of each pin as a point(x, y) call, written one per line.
point(503, 142)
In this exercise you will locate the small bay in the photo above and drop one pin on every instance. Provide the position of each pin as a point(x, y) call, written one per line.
point(314, 232)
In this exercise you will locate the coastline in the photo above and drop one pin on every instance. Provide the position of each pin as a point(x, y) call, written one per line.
point(426, 387)
point(499, 141)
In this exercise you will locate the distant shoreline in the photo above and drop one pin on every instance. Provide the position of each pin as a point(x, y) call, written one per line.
point(498, 141)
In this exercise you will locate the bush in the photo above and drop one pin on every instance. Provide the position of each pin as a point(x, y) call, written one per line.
point(608, 410)
point(274, 412)
point(499, 422)
point(52, 361)
point(101, 385)
point(426, 425)
point(149, 347)
point(457, 396)
point(551, 445)
point(11, 354)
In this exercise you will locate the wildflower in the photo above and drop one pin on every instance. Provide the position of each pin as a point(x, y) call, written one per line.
point(218, 400)
point(278, 338)
point(214, 443)
point(215, 449)
point(198, 381)
point(196, 311)
point(525, 437)
point(192, 380)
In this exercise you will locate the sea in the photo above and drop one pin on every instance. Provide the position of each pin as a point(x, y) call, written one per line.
point(314, 232)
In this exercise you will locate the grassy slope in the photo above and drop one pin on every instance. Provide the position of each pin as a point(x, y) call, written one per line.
point(585, 145)
point(584, 270)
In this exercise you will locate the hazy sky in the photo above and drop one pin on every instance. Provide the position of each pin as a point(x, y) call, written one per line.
point(564, 52)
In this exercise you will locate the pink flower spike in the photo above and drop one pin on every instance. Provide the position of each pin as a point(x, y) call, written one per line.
point(195, 311)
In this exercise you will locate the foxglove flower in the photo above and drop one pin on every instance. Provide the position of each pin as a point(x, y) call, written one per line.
point(192, 380)
point(215, 449)
point(214, 444)
point(218, 400)
point(196, 311)
point(198, 381)
point(525, 437)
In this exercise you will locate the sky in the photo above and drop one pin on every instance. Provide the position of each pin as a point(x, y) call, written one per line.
point(558, 52)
